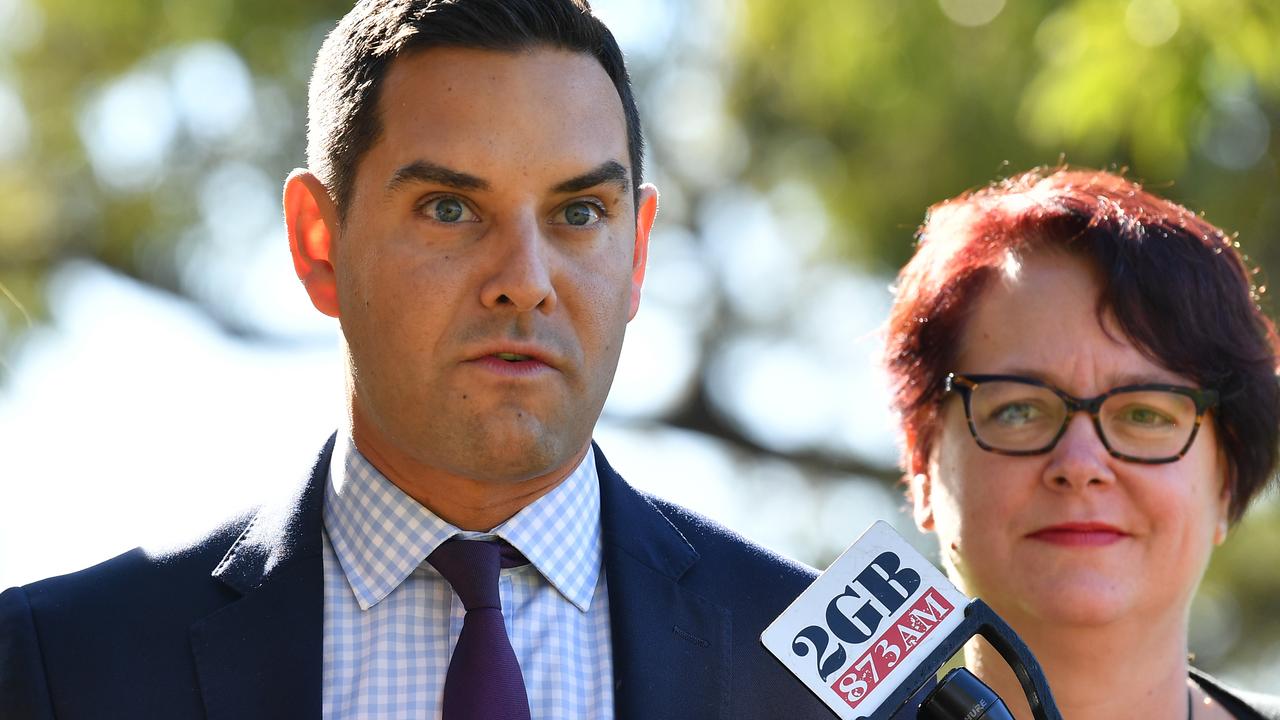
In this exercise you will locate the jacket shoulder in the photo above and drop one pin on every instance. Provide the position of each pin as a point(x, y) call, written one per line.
point(142, 598)
point(94, 637)
point(131, 576)
point(732, 569)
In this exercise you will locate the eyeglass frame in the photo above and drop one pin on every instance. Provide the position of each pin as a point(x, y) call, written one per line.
point(963, 385)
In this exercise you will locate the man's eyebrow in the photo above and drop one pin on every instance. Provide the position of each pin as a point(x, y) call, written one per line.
point(610, 171)
point(423, 171)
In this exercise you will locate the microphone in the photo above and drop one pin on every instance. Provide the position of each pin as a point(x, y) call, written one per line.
point(874, 629)
point(962, 696)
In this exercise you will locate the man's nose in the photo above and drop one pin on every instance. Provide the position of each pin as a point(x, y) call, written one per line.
point(520, 275)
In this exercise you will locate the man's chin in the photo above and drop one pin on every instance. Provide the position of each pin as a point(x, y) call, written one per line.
point(517, 455)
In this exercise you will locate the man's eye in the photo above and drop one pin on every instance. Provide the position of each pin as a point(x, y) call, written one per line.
point(582, 213)
point(447, 210)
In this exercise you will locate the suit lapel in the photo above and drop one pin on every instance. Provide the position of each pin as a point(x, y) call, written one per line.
point(671, 647)
point(260, 656)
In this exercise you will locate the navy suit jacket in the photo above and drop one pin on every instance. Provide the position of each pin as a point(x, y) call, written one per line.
point(231, 626)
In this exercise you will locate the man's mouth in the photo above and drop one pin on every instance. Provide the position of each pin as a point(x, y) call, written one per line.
point(513, 359)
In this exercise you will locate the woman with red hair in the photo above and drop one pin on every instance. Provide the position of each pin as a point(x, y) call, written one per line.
point(1088, 400)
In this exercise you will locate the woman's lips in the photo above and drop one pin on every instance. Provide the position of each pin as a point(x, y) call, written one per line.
point(1079, 534)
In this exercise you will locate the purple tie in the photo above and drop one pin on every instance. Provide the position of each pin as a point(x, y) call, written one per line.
point(484, 680)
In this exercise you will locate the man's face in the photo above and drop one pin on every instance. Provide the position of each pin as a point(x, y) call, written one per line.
point(490, 260)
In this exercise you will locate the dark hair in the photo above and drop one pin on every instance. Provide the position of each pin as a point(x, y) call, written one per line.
point(343, 121)
point(1177, 286)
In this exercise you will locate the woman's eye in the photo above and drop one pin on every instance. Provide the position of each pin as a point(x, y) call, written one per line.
point(1015, 414)
point(582, 213)
point(1146, 417)
point(447, 210)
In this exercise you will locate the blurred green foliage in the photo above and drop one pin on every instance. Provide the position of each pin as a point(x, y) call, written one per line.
point(1233, 618)
point(888, 107)
point(59, 56)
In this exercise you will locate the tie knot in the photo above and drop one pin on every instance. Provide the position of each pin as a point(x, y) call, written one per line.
point(472, 566)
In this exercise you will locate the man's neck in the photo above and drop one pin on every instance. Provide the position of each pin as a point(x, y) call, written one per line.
point(464, 502)
point(1098, 672)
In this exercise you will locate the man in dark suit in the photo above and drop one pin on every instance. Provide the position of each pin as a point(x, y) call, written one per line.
point(473, 216)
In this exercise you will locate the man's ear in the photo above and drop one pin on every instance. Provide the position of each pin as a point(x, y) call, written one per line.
point(312, 221)
point(646, 211)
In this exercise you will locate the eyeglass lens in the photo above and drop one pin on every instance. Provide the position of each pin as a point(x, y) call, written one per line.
point(1018, 417)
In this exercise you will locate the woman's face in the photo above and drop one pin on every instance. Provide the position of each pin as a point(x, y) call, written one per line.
point(1072, 536)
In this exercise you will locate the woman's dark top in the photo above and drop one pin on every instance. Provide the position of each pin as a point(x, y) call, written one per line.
point(1243, 705)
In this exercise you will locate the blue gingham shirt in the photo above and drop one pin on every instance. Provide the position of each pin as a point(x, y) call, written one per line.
point(391, 621)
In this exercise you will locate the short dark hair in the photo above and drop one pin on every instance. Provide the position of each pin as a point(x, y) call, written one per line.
point(343, 121)
point(1177, 286)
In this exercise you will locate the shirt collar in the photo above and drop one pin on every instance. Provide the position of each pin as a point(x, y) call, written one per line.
point(560, 534)
point(380, 535)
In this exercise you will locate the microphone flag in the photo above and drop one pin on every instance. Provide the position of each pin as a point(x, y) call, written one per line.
point(866, 623)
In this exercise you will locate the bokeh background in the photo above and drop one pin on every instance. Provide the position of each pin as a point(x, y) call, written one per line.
point(160, 365)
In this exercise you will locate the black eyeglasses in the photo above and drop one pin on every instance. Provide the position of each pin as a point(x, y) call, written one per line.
point(1014, 415)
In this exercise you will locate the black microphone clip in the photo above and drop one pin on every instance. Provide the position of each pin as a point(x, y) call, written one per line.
point(962, 696)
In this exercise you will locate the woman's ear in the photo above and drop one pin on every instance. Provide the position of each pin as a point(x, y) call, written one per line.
point(1224, 516)
point(919, 484)
point(1223, 524)
point(920, 488)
